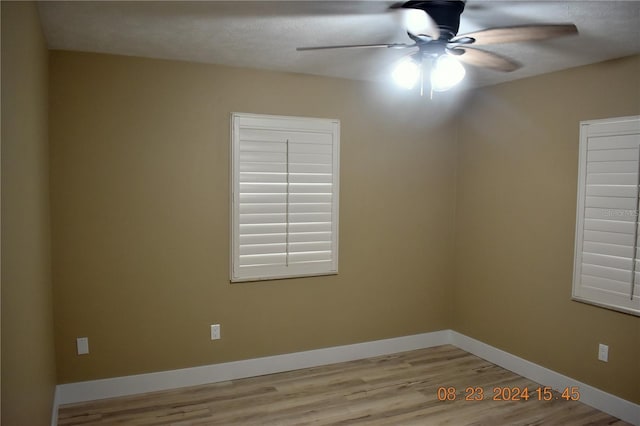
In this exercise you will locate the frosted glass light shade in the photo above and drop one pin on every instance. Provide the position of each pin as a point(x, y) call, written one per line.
point(406, 74)
point(446, 73)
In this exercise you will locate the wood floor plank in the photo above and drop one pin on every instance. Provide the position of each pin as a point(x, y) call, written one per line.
point(398, 389)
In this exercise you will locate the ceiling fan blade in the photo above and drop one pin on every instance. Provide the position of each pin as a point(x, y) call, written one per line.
point(358, 46)
point(482, 58)
point(418, 22)
point(519, 33)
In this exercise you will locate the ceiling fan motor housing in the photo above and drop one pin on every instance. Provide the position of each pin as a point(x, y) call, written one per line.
point(445, 13)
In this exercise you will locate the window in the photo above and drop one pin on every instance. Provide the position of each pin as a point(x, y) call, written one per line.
point(607, 261)
point(285, 181)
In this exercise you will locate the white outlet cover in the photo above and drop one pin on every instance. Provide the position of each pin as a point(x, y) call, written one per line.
point(603, 352)
point(82, 345)
point(215, 331)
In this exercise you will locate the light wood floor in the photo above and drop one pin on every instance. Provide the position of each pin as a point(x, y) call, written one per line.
point(400, 389)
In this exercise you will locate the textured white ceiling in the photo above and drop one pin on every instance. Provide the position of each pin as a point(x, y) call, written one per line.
point(264, 34)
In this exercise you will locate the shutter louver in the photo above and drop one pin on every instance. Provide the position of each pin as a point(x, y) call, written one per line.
point(285, 198)
point(606, 271)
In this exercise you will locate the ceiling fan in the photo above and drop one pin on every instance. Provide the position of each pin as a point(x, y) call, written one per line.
point(433, 25)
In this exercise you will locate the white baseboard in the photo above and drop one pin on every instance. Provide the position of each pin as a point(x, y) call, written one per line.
point(603, 401)
point(151, 382)
point(56, 404)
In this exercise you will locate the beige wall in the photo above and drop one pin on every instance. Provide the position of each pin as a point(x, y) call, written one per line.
point(140, 216)
point(28, 358)
point(516, 202)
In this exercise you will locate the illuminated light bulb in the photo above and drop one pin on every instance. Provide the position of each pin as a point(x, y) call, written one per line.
point(406, 74)
point(446, 73)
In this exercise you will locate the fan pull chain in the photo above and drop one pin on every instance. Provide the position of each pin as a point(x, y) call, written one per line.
point(431, 66)
point(421, 78)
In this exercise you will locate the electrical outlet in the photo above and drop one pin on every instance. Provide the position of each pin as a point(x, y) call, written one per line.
point(603, 352)
point(215, 331)
point(82, 345)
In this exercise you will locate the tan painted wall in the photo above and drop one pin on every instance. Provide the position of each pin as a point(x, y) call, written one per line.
point(516, 206)
point(28, 358)
point(140, 153)
point(140, 216)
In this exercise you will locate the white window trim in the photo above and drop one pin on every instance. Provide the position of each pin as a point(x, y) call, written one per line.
point(274, 122)
point(605, 127)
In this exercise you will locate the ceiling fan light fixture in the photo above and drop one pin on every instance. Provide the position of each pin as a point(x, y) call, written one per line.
point(433, 26)
point(406, 73)
point(447, 73)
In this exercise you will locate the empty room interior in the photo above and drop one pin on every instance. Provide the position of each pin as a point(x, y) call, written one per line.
point(229, 213)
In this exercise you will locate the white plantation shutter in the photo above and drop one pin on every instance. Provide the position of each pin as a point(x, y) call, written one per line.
point(607, 265)
point(284, 197)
